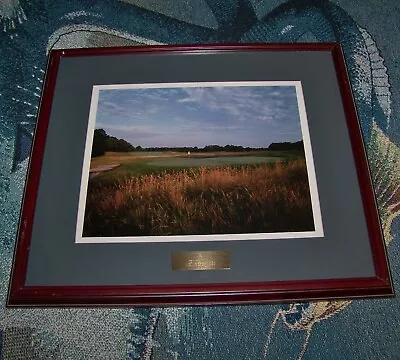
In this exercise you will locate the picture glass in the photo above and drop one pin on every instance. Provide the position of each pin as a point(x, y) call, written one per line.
point(198, 162)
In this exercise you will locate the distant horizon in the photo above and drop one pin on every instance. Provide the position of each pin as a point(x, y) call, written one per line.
point(191, 115)
point(202, 147)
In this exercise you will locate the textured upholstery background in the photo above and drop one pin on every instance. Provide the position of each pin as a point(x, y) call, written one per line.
point(370, 33)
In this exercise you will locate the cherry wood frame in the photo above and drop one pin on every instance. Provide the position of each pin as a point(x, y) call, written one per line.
point(196, 294)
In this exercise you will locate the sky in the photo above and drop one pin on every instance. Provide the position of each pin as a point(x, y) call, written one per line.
point(253, 116)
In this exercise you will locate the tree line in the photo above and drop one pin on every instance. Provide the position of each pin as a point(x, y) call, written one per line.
point(298, 145)
point(102, 142)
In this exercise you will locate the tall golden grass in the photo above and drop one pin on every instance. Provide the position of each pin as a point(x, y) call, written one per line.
point(246, 199)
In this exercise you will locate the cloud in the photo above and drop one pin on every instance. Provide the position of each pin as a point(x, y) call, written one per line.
point(197, 116)
point(245, 103)
point(127, 105)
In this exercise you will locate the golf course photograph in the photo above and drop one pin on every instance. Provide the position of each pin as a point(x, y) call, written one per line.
point(196, 160)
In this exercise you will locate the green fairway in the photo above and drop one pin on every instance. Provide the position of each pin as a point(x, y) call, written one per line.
point(128, 165)
point(212, 161)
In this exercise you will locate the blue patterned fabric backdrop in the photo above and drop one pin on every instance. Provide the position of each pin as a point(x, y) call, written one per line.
point(370, 33)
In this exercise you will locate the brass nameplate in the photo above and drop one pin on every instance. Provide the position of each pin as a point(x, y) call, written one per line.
point(200, 260)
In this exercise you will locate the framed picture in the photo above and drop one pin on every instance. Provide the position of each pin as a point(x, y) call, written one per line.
point(199, 174)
